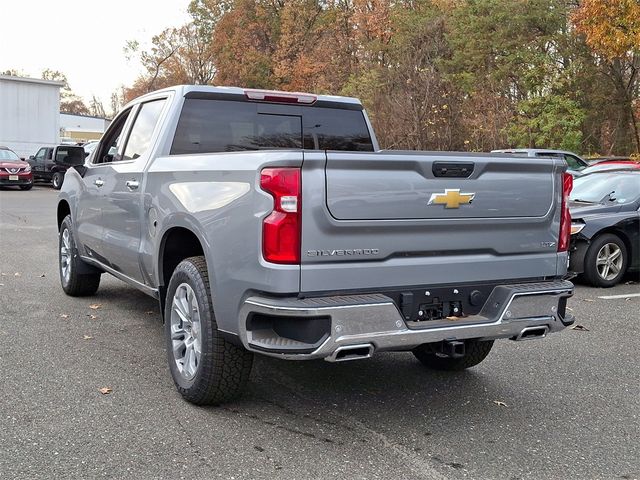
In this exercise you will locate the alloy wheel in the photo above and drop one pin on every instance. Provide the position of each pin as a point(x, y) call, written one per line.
point(65, 255)
point(609, 261)
point(186, 331)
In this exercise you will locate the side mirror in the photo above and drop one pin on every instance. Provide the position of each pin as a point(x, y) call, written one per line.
point(31, 157)
point(22, 158)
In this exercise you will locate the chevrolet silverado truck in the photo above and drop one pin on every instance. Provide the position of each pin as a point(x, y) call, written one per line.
point(271, 223)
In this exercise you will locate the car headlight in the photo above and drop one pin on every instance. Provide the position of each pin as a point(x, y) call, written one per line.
point(576, 227)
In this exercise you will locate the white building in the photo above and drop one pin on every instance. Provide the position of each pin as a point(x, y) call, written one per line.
point(82, 128)
point(29, 114)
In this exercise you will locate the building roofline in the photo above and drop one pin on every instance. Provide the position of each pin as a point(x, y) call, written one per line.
point(85, 116)
point(40, 81)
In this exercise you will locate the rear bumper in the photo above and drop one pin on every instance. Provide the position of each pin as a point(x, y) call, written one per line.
point(373, 323)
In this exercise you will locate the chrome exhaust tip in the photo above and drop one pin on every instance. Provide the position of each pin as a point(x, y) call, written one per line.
point(351, 352)
point(531, 333)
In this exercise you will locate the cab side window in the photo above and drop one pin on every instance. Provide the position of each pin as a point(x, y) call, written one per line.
point(40, 154)
point(142, 130)
point(110, 146)
point(573, 162)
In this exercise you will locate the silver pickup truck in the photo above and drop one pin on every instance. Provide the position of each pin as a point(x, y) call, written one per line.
point(270, 222)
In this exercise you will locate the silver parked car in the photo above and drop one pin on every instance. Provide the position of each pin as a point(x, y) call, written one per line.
point(575, 162)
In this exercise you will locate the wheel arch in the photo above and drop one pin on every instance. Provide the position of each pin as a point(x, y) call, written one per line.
point(176, 244)
point(63, 210)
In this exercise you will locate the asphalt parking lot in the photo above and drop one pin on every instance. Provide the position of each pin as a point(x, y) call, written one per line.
point(564, 407)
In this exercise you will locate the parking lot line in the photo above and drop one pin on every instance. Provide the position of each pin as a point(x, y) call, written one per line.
point(613, 297)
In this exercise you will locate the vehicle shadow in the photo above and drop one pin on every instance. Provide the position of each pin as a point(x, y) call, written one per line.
point(392, 388)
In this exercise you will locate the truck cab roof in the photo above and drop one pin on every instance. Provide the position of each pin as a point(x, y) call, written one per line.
point(271, 96)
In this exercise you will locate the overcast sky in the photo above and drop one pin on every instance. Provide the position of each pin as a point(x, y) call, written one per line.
point(83, 39)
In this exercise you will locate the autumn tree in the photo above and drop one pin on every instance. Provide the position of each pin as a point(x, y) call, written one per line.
point(69, 101)
point(181, 55)
point(612, 31)
point(432, 74)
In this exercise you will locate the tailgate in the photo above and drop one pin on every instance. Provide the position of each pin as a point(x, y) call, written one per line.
point(389, 219)
point(382, 186)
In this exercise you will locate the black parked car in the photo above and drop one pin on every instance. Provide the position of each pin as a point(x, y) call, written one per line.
point(50, 163)
point(605, 228)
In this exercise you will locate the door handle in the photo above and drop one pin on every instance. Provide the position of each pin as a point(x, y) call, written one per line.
point(132, 184)
point(98, 182)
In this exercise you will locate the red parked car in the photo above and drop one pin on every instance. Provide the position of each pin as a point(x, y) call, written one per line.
point(14, 171)
point(612, 165)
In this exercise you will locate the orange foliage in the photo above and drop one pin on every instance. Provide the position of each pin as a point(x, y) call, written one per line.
point(611, 28)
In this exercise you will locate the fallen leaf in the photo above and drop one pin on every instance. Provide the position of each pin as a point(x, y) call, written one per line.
point(17, 274)
point(4, 274)
point(64, 315)
point(42, 276)
point(150, 312)
point(570, 309)
point(580, 328)
point(627, 299)
point(500, 404)
point(630, 282)
point(95, 306)
point(88, 337)
point(92, 317)
point(588, 300)
point(1, 284)
point(105, 390)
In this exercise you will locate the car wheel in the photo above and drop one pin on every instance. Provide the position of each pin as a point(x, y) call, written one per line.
point(57, 180)
point(605, 261)
point(475, 352)
point(206, 368)
point(26, 187)
point(74, 283)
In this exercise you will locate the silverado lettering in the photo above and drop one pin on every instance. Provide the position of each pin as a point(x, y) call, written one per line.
point(355, 251)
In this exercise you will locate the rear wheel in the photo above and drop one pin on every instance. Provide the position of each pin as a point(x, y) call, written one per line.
point(475, 352)
point(73, 282)
point(57, 180)
point(605, 261)
point(206, 368)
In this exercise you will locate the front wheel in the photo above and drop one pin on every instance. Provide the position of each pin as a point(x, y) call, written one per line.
point(605, 261)
point(206, 368)
point(475, 352)
point(57, 180)
point(73, 277)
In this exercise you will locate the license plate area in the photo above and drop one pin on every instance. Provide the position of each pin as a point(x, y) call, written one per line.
point(425, 305)
point(13, 178)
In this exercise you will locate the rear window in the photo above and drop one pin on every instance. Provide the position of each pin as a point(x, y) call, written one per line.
point(71, 155)
point(210, 126)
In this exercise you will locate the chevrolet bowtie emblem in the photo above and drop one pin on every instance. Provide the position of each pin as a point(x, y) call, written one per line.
point(451, 198)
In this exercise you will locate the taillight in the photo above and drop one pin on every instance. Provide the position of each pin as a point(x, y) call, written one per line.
point(281, 230)
point(565, 216)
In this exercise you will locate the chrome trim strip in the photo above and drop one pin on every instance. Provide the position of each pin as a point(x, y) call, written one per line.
point(120, 276)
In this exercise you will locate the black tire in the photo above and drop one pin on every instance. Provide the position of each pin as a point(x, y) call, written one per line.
point(591, 273)
point(475, 352)
point(26, 187)
point(223, 368)
point(57, 180)
point(75, 284)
